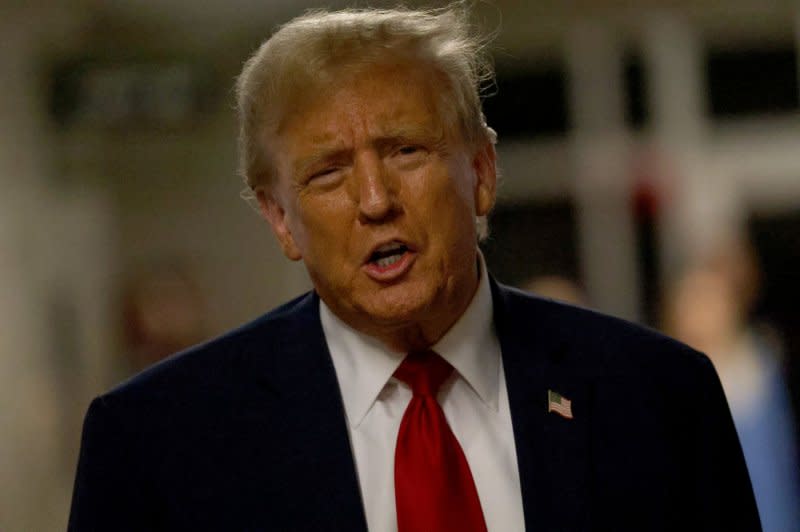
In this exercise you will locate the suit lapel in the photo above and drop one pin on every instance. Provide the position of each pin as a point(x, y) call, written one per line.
point(552, 451)
point(316, 440)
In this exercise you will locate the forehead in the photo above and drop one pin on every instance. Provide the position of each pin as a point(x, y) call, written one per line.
point(373, 100)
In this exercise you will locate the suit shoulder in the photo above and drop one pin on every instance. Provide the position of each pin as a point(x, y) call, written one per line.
point(614, 343)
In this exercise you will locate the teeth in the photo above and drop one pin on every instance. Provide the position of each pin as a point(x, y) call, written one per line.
point(388, 247)
point(388, 261)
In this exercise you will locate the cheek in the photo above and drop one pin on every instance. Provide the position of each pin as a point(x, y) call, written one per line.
point(463, 183)
point(449, 219)
point(442, 208)
point(460, 197)
point(448, 183)
point(326, 223)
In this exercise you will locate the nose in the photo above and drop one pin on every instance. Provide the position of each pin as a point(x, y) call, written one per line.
point(376, 197)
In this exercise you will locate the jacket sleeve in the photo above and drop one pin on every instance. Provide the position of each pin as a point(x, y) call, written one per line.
point(722, 488)
point(109, 492)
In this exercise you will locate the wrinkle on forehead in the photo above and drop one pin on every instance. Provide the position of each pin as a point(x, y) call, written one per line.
point(385, 134)
point(350, 87)
point(335, 124)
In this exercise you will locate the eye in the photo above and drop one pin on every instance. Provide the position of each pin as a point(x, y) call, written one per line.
point(408, 150)
point(325, 177)
point(409, 156)
point(323, 173)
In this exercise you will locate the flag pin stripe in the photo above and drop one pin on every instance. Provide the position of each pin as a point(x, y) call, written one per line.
point(559, 404)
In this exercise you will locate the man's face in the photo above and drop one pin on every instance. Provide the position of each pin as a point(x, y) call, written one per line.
point(379, 201)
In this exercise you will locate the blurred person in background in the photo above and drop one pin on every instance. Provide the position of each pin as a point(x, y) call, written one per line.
point(557, 287)
point(709, 308)
point(409, 391)
point(164, 312)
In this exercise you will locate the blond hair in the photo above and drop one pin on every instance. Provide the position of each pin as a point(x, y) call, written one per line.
point(308, 53)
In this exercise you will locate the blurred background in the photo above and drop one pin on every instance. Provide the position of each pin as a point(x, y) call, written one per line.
point(651, 170)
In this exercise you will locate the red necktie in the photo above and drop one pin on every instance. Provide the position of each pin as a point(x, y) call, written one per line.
point(434, 490)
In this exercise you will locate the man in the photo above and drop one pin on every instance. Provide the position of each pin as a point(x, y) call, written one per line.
point(409, 391)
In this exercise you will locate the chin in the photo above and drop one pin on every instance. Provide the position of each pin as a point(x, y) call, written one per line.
point(401, 305)
point(395, 312)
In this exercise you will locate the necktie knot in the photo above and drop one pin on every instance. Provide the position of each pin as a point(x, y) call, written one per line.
point(424, 372)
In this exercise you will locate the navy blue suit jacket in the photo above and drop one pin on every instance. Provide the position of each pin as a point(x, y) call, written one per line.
point(248, 432)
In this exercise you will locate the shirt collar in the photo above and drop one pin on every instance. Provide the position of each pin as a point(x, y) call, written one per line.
point(471, 345)
point(364, 365)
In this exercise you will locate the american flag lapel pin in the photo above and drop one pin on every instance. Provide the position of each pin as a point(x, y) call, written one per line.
point(559, 404)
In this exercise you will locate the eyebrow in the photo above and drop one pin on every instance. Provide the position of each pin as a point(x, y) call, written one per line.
point(317, 156)
point(326, 150)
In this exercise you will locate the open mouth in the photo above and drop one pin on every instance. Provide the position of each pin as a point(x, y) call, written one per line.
point(388, 254)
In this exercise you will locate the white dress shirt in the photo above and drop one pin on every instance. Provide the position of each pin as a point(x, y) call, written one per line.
point(474, 400)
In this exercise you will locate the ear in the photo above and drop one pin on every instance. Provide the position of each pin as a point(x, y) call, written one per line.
point(274, 213)
point(484, 164)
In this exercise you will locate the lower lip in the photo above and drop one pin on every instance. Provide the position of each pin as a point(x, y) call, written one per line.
point(392, 272)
